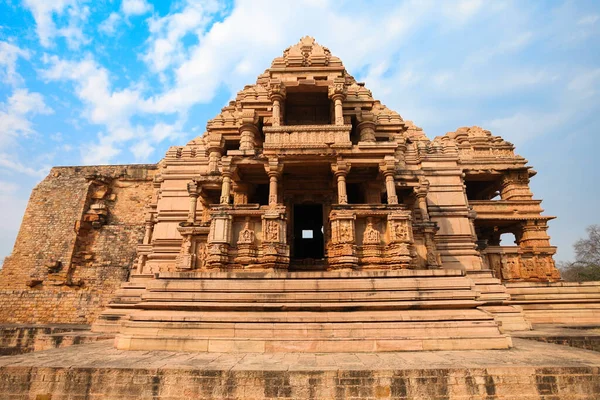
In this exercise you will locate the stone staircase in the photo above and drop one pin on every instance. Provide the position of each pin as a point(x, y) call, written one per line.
point(122, 304)
point(557, 302)
point(356, 311)
point(510, 317)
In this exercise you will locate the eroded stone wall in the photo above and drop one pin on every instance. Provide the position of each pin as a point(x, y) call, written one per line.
point(76, 244)
point(556, 383)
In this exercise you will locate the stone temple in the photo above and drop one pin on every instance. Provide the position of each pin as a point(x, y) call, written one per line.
point(308, 218)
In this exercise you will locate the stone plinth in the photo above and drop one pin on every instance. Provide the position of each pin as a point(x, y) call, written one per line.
point(530, 371)
point(324, 312)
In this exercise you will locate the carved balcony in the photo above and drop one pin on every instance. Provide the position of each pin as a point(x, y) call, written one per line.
point(306, 138)
point(508, 209)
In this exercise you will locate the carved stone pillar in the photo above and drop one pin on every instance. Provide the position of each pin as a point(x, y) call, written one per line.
point(515, 186)
point(367, 131)
point(429, 231)
point(248, 131)
point(390, 188)
point(145, 248)
point(141, 262)
point(400, 152)
point(149, 228)
point(226, 188)
point(340, 170)
point(366, 127)
point(214, 151)
point(227, 173)
point(194, 193)
point(337, 93)
point(248, 134)
point(276, 94)
point(273, 169)
point(388, 168)
point(421, 194)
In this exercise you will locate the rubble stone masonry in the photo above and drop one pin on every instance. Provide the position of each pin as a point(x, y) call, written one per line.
point(76, 244)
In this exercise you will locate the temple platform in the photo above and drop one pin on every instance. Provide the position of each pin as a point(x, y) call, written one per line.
point(530, 370)
point(327, 311)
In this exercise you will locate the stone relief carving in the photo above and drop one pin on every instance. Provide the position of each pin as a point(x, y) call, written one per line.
point(400, 231)
point(246, 235)
point(371, 235)
point(272, 231)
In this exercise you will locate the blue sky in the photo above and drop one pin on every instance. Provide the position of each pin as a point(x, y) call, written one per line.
point(96, 82)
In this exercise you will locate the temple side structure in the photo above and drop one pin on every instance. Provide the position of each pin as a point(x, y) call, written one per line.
point(309, 217)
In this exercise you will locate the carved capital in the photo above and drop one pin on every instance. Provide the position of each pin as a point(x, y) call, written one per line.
point(194, 189)
point(338, 90)
point(277, 90)
point(214, 143)
point(341, 168)
point(227, 167)
point(249, 117)
point(273, 168)
point(388, 166)
point(423, 188)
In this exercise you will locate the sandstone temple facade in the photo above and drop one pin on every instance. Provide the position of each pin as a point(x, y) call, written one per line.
point(309, 217)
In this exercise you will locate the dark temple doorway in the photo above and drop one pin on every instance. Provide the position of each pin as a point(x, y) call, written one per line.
point(308, 231)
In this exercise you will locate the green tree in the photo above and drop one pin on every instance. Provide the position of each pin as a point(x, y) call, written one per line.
point(586, 266)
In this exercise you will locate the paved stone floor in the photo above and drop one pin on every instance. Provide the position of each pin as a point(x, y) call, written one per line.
point(103, 355)
point(531, 370)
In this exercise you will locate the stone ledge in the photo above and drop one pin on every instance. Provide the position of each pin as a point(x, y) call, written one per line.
point(310, 274)
point(531, 370)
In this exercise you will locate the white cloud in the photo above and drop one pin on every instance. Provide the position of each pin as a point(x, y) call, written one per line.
point(15, 115)
point(588, 20)
point(99, 153)
point(109, 25)
point(586, 84)
point(135, 7)
point(512, 45)
point(23, 102)
point(13, 207)
point(164, 45)
point(9, 54)
point(142, 150)
point(8, 188)
point(92, 86)
point(44, 12)
point(10, 162)
point(113, 109)
point(461, 11)
point(231, 53)
point(523, 126)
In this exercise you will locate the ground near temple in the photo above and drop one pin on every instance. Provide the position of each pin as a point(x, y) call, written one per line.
point(530, 370)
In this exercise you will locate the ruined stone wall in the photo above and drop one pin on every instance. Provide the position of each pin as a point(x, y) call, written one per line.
point(76, 244)
point(127, 382)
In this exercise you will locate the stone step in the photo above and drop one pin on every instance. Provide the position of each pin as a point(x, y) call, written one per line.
point(557, 302)
point(320, 275)
point(401, 330)
point(310, 316)
point(301, 306)
point(358, 345)
point(309, 285)
point(572, 297)
point(311, 297)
